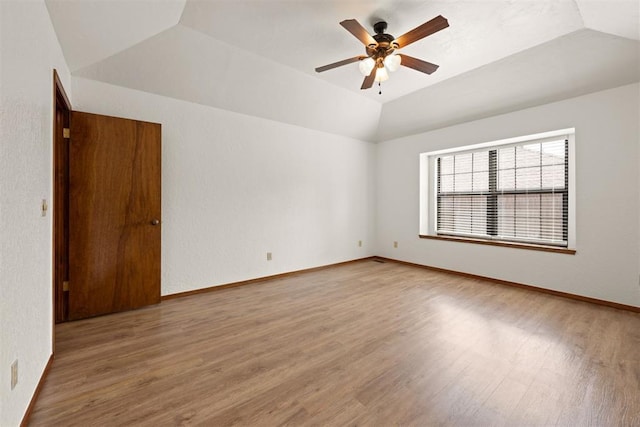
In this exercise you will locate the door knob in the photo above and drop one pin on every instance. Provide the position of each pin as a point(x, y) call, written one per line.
point(155, 222)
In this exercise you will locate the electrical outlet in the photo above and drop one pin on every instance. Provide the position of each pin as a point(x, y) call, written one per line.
point(395, 244)
point(268, 256)
point(14, 374)
point(360, 243)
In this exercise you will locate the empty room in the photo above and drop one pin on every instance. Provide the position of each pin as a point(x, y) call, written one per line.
point(323, 212)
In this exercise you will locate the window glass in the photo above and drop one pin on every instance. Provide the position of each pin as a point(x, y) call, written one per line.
point(511, 193)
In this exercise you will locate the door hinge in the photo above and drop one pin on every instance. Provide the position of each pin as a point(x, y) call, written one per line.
point(66, 133)
point(65, 286)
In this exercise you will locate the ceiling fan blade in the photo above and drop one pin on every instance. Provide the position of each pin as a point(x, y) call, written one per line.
point(339, 63)
point(368, 81)
point(359, 31)
point(417, 64)
point(436, 24)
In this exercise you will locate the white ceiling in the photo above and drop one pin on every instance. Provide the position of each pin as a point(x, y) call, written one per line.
point(307, 34)
point(284, 40)
point(559, 69)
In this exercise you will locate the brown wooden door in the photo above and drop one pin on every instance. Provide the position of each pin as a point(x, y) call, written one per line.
point(114, 214)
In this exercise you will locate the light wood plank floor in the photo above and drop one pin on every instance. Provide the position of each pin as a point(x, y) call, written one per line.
point(365, 343)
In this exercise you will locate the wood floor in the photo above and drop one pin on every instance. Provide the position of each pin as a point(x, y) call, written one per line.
point(365, 343)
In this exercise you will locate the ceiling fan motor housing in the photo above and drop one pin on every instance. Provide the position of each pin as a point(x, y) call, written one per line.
point(385, 42)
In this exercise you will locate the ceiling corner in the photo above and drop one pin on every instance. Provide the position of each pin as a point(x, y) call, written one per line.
point(85, 29)
point(620, 18)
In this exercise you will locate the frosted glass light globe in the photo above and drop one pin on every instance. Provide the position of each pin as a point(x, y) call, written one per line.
point(382, 75)
point(392, 62)
point(366, 65)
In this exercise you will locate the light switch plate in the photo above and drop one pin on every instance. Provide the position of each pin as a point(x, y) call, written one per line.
point(14, 374)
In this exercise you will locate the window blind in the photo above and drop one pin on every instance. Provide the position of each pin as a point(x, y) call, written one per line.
point(513, 193)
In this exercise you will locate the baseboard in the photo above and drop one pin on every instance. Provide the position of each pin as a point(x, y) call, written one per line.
point(519, 285)
point(258, 280)
point(34, 398)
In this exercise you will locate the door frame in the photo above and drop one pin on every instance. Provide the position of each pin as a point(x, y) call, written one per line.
point(60, 219)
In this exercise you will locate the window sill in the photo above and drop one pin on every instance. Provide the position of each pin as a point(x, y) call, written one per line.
point(502, 244)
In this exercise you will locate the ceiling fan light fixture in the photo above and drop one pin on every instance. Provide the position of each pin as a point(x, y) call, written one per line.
point(381, 74)
point(392, 62)
point(381, 56)
point(366, 65)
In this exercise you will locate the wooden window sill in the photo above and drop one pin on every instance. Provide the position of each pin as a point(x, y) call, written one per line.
point(502, 244)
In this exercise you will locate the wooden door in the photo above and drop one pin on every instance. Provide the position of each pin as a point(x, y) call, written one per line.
point(114, 214)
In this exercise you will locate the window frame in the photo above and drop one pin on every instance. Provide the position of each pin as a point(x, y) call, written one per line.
point(429, 192)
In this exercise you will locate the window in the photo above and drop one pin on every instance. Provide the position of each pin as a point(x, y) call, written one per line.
point(515, 192)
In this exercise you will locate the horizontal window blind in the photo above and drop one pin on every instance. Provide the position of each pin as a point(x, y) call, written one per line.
point(513, 193)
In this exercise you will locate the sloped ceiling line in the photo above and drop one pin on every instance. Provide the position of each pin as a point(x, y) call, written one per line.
point(264, 54)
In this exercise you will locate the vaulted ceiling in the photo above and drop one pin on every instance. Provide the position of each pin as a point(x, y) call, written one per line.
point(258, 57)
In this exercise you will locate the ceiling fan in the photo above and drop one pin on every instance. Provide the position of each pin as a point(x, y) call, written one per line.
point(381, 50)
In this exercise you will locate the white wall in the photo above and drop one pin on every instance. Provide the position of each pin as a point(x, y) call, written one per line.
point(236, 187)
point(606, 265)
point(29, 51)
